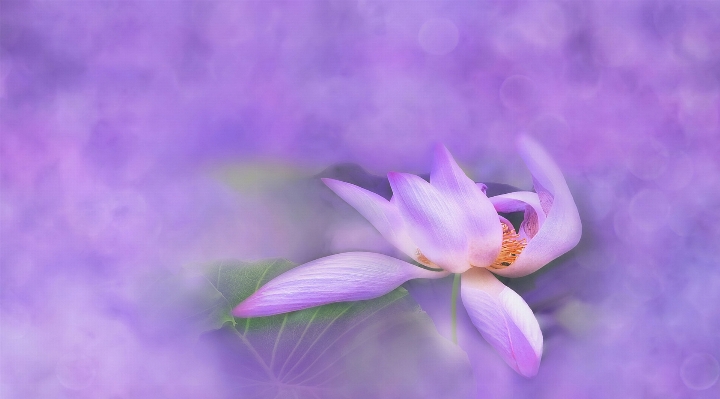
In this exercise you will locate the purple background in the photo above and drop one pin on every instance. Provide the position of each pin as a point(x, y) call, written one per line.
point(141, 137)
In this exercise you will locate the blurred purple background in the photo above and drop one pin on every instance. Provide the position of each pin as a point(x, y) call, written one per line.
point(142, 137)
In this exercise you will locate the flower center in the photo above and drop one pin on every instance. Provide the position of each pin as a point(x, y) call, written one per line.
point(511, 247)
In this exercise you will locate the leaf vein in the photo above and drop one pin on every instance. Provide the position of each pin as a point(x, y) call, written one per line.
point(257, 287)
point(297, 344)
point(319, 336)
point(277, 340)
point(343, 334)
point(394, 322)
point(257, 356)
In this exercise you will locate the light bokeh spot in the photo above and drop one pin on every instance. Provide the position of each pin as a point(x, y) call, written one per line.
point(700, 371)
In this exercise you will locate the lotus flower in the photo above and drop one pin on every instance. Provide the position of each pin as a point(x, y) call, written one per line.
point(448, 225)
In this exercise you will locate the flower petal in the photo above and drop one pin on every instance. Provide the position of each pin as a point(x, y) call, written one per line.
point(378, 211)
point(562, 228)
point(504, 320)
point(527, 202)
point(351, 276)
point(516, 201)
point(481, 220)
point(435, 224)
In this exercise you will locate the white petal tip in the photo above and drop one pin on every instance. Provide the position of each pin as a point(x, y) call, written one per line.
point(504, 320)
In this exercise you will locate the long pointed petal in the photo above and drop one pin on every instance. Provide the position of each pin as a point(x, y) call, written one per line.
point(483, 228)
point(378, 211)
point(351, 276)
point(504, 320)
point(435, 224)
point(562, 228)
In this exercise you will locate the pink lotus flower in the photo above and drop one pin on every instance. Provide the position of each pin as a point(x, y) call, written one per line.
point(447, 225)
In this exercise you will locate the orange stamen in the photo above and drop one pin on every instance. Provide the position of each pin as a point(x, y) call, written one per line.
point(511, 248)
point(422, 259)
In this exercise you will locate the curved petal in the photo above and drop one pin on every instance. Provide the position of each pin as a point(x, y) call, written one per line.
point(435, 224)
point(504, 320)
point(351, 276)
point(481, 220)
point(516, 201)
point(378, 211)
point(562, 228)
point(524, 201)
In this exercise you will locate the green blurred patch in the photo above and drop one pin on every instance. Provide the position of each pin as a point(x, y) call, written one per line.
point(255, 177)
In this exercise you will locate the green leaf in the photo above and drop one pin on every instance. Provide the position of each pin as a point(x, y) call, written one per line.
point(332, 351)
point(257, 177)
point(236, 280)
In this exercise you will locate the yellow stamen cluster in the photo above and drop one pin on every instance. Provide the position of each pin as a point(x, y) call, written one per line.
point(512, 245)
